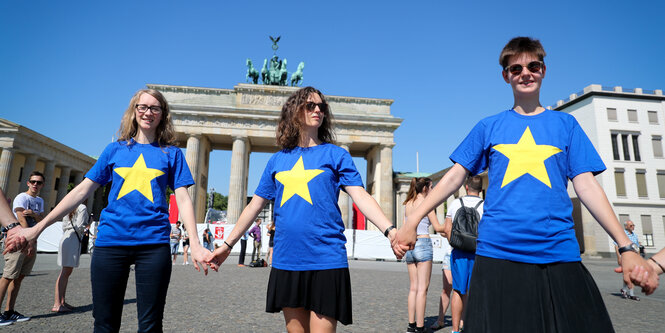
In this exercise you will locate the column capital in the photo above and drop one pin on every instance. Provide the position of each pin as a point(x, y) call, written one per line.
point(240, 137)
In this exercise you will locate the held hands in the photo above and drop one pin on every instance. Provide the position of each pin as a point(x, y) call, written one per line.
point(637, 270)
point(216, 258)
point(403, 241)
point(199, 257)
point(20, 239)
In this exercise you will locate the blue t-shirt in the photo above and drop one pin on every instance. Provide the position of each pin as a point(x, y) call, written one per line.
point(137, 211)
point(305, 184)
point(528, 214)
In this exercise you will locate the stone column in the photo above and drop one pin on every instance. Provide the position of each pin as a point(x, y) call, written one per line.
point(192, 157)
point(28, 167)
point(236, 197)
point(245, 175)
point(386, 198)
point(47, 190)
point(6, 160)
point(64, 181)
point(78, 177)
point(343, 200)
point(401, 197)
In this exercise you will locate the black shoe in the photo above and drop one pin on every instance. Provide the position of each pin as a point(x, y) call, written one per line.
point(634, 298)
point(624, 294)
point(15, 316)
point(5, 321)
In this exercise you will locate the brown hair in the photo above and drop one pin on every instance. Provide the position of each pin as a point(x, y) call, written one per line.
point(289, 127)
point(164, 134)
point(519, 45)
point(475, 183)
point(418, 185)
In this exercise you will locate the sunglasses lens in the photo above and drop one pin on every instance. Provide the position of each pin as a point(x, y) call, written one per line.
point(515, 69)
point(534, 66)
point(310, 106)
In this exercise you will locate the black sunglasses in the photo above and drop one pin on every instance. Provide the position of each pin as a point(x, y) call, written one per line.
point(533, 67)
point(311, 106)
point(35, 182)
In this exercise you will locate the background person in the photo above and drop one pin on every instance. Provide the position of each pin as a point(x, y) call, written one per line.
point(243, 248)
point(271, 241)
point(419, 260)
point(185, 246)
point(255, 233)
point(627, 291)
point(447, 277)
point(208, 239)
point(174, 240)
point(309, 280)
point(73, 227)
point(28, 209)
point(134, 226)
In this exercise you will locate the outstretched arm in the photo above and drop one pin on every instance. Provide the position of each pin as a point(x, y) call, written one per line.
point(245, 220)
point(186, 208)
point(18, 237)
point(593, 197)
point(370, 208)
point(451, 182)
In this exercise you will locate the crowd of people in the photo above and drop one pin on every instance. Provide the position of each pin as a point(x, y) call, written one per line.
point(525, 237)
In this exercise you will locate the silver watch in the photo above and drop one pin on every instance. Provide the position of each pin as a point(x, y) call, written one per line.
point(632, 247)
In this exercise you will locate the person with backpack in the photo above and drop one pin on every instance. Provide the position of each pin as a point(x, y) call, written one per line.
point(461, 229)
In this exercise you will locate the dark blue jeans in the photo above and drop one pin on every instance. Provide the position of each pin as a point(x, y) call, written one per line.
point(109, 271)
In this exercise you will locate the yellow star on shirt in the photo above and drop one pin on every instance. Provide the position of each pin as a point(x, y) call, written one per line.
point(138, 178)
point(295, 181)
point(526, 157)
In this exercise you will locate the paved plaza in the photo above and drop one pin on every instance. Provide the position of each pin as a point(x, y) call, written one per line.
point(233, 300)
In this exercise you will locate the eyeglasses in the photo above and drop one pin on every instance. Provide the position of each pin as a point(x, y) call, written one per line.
point(142, 108)
point(311, 106)
point(533, 67)
point(36, 182)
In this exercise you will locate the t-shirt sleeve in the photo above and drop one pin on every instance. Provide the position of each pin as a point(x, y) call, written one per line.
point(346, 170)
point(20, 202)
point(472, 153)
point(582, 155)
point(179, 175)
point(266, 188)
point(102, 173)
point(454, 206)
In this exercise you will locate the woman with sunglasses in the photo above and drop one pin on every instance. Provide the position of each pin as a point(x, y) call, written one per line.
point(528, 275)
point(309, 280)
point(134, 227)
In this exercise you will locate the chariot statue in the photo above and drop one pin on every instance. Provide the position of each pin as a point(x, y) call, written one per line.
point(274, 71)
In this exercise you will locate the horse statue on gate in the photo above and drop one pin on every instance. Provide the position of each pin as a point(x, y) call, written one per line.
point(252, 73)
point(296, 77)
point(283, 74)
point(264, 71)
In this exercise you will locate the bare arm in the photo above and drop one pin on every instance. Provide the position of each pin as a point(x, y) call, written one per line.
point(451, 182)
point(17, 237)
point(186, 208)
point(447, 227)
point(243, 223)
point(593, 197)
point(6, 215)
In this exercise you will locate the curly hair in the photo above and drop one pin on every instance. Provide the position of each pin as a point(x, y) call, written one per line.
point(290, 125)
point(164, 134)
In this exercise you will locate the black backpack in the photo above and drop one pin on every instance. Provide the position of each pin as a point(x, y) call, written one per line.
point(465, 228)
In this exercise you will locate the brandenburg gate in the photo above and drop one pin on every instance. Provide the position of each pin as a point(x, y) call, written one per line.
point(243, 120)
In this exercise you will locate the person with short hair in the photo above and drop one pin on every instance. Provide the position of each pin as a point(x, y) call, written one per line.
point(29, 210)
point(134, 226)
point(309, 279)
point(628, 291)
point(255, 233)
point(527, 236)
point(462, 261)
point(174, 240)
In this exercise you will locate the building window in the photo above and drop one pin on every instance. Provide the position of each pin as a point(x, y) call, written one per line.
point(626, 150)
point(612, 114)
point(641, 179)
point(653, 117)
point(632, 116)
point(636, 148)
point(615, 147)
point(625, 217)
point(656, 142)
point(660, 177)
point(619, 182)
point(647, 230)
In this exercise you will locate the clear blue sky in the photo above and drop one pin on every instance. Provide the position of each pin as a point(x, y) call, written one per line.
point(68, 68)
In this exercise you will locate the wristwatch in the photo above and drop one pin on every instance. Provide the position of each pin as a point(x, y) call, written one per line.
point(631, 247)
point(10, 227)
point(385, 233)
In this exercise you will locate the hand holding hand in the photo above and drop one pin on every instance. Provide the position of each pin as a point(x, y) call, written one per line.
point(216, 258)
point(199, 257)
point(18, 239)
point(636, 270)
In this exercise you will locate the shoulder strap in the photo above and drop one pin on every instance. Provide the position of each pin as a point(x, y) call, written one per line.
point(478, 204)
point(461, 201)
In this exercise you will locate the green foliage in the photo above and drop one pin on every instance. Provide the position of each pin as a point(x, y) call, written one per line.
point(220, 202)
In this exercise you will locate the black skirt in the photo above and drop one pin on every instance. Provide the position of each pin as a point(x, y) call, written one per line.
point(507, 296)
point(326, 292)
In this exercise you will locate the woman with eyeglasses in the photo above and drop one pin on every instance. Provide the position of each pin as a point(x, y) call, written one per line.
point(309, 280)
point(134, 227)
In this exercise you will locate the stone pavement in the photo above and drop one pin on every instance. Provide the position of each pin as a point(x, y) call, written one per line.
point(233, 300)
